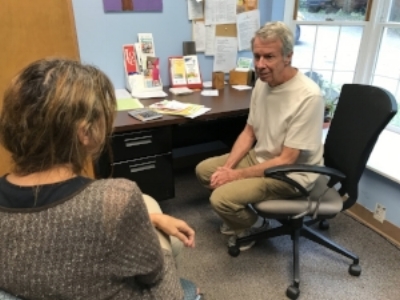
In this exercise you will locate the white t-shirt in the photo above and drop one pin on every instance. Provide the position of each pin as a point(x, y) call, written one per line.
point(291, 115)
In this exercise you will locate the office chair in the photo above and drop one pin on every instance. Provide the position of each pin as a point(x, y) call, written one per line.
point(362, 113)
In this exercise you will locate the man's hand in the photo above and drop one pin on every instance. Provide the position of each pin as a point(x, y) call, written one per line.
point(174, 227)
point(223, 175)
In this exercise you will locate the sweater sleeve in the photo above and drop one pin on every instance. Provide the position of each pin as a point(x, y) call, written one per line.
point(136, 252)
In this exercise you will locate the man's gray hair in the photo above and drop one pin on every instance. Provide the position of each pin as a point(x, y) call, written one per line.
point(276, 30)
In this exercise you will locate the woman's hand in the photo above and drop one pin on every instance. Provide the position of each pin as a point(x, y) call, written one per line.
point(174, 227)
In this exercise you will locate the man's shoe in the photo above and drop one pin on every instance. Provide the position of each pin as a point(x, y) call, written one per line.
point(226, 230)
point(243, 246)
point(247, 232)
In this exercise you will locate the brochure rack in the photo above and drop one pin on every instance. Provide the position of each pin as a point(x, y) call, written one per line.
point(184, 71)
point(142, 73)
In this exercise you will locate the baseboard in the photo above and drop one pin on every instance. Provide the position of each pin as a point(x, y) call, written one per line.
point(386, 229)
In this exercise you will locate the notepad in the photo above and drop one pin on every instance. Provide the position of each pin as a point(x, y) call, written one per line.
point(129, 103)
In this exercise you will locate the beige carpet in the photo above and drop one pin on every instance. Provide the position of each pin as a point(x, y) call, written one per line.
point(265, 271)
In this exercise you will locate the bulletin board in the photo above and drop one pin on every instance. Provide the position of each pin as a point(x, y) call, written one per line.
point(226, 30)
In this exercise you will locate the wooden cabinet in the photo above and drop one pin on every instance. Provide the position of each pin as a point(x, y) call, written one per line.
point(144, 156)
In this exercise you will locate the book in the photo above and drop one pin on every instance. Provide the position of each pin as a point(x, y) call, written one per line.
point(145, 114)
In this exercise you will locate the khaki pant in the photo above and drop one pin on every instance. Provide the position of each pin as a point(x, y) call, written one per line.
point(169, 243)
point(231, 200)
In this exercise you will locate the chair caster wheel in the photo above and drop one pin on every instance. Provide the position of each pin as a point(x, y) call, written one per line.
point(293, 292)
point(233, 251)
point(324, 225)
point(355, 270)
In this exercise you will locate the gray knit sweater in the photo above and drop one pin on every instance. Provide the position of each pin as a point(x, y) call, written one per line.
point(97, 244)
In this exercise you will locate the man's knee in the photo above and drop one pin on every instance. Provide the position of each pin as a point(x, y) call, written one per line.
point(202, 171)
point(219, 201)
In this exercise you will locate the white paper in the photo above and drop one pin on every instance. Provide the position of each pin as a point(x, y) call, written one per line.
point(209, 40)
point(207, 84)
point(209, 92)
point(220, 12)
point(201, 111)
point(181, 91)
point(195, 9)
point(247, 24)
point(241, 87)
point(122, 94)
point(225, 54)
point(147, 95)
point(199, 35)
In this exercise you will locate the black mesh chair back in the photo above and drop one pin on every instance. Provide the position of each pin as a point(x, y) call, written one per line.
point(361, 114)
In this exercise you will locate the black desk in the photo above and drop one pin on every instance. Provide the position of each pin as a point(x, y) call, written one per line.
point(149, 152)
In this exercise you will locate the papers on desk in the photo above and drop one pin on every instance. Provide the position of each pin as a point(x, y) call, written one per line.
point(149, 94)
point(174, 107)
point(242, 87)
point(181, 91)
point(209, 93)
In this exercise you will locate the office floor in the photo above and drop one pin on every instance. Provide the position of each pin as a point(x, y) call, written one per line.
point(265, 271)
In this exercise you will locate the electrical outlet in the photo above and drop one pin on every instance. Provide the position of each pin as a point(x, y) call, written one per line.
point(380, 212)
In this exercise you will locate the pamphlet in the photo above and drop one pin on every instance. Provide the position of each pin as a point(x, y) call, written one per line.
point(152, 72)
point(130, 62)
point(192, 69)
point(177, 71)
point(173, 107)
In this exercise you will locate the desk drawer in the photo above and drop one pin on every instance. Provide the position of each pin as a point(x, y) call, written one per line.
point(134, 144)
point(153, 174)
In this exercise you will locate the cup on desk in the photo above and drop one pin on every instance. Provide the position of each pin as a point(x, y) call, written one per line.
point(218, 79)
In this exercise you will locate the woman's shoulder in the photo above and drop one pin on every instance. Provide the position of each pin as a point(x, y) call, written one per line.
point(115, 184)
point(115, 190)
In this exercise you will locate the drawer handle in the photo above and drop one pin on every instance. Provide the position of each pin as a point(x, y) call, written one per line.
point(142, 140)
point(143, 167)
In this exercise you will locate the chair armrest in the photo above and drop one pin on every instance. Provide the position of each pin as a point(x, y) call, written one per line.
point(279, 171)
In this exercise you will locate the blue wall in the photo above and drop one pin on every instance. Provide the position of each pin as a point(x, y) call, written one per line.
point(101, 35)
point(375, 188)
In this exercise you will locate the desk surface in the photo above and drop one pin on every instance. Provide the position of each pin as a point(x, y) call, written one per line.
point(230, 102)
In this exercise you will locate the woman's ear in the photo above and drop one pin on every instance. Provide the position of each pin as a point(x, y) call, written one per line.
point(83, 134)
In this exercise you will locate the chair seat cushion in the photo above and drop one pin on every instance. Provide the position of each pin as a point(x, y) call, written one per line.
point(331, 203)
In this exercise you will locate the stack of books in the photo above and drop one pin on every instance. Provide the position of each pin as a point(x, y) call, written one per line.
point(173, 107)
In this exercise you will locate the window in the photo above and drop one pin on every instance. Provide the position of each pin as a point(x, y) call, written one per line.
point(386, 71)
point(331, 41)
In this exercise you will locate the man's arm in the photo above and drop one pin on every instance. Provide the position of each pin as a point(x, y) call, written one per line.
point(288, 156)
point(242, 145)
point(224, 175)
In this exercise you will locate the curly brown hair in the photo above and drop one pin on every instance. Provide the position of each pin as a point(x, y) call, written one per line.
point(46, 106)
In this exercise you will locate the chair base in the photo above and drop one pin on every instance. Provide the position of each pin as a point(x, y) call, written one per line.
point(296, 228)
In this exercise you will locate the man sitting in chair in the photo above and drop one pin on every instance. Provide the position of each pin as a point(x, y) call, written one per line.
point(284, 123)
